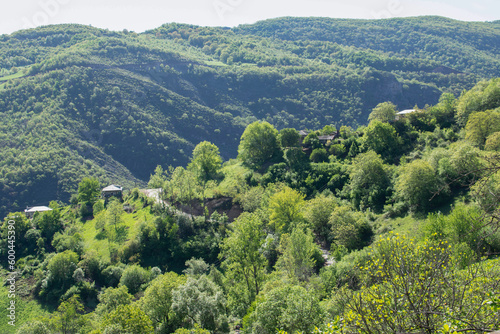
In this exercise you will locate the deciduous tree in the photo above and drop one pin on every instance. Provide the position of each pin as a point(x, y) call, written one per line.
point(368, 181)
point(201, 301)
point(285, 210)
point(384, 112)
point(127, 319)
point(480, 125)
point(158, 298)
point(206, 161)
point(381, 138)
point(258, 144)
point(285, 307)
point(288, 138)
point(89, 190)
point(416, 184)
point(245, 265)
point(297, 254)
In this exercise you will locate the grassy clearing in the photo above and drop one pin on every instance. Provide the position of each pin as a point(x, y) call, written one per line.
point(26, 310)
point(234, 179)
point(409, 226)
point(97, 240)
point(215, 63)
point(16, 75)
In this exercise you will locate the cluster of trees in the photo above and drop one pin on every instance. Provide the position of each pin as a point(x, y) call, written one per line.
point(396, 263)
point(430, 38)
point(76, 98)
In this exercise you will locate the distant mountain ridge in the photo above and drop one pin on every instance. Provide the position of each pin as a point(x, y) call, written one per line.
point(420, 37)
point(77, 100)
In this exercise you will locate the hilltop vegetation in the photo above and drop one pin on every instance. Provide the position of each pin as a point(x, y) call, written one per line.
point(77, 100)
point(385, 228)
point(450, 43)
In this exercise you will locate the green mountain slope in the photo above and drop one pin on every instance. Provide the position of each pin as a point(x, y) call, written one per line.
point(76, 100)
point(471, 47)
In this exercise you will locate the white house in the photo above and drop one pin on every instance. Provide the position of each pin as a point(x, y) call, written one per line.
point(30, 212)
point(403, 113)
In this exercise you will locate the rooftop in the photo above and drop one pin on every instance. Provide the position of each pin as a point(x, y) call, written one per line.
point(113, 188)
point(327, 137)
point(37, 209)
point(406, 111)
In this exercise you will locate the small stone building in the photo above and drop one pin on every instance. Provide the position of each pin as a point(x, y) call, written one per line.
point(112, 190)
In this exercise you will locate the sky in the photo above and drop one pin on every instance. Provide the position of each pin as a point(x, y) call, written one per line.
point(142, 15)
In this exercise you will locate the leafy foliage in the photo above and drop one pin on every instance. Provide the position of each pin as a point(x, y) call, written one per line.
point(99, 107)
point(81, 102)
point(259, 144)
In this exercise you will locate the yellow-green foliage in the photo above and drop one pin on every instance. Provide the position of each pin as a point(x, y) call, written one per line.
point(234, 179)
point(285, 210)
point(411, 286)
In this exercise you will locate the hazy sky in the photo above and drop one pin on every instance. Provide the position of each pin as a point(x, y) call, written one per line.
point(147, 14)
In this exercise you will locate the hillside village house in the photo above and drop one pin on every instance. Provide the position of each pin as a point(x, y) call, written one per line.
point(324, 140)
point(30, 212)
point(403, 113)
point(112, 190)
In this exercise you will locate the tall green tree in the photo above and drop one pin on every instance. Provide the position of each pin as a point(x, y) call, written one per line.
point(381, 138)
point(206, 161)
point(285, 210)
point(484, 96)
point(369, 181)
point(480, 125)
point(89, 190)
point(312, 141)
point(416, 185)
point(349, 228)
point(127, 319)
point(493, 142)
point(384, 112)
point(297, 255)
point(285, 307)
point(184, 186)
point(258, 144)
point(317, 212)
point(114, 213)
point(201, 301)
point(296, 159)
point(288, 138)
point(243, 260)
point(69, 316)
point(319, 155)
point(134, 277)
point(444, 112)
point(157, 180)
point(158, 298)
point(110, 298)
point(21, 225)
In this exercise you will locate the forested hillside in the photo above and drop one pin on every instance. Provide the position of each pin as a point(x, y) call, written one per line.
point(470, 47)
point(77, 100)
point(392, 227)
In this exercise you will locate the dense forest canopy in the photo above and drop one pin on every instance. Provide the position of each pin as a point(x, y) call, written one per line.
point(77, 100)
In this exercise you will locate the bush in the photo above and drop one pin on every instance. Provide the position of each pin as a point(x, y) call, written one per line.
point(319, 155)
point(112, 275)
point(134, 277)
